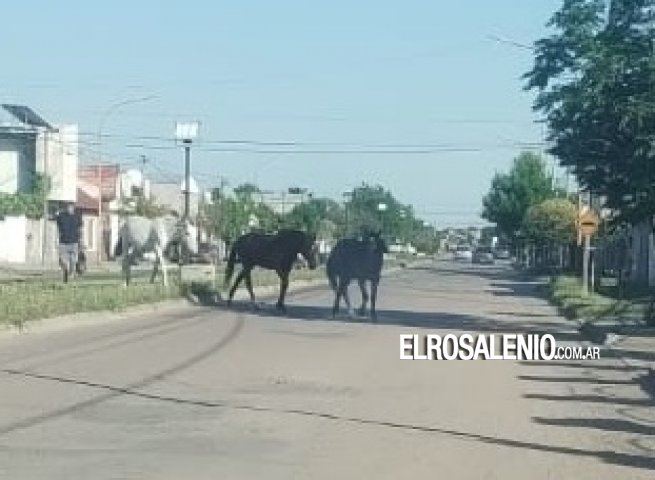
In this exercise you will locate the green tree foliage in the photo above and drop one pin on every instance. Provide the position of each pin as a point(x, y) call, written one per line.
point(551, 221)
point(595, 78)
point(396, 221)
point(30, 203)
point(513, 193)
point(312, 215)
point(229, 216)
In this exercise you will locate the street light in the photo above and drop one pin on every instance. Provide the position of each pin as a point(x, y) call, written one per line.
point(186, 132)
point(101, 125)
point(382, 207)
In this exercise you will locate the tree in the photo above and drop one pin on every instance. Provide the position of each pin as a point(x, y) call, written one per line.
point(551, 222)
point(308, 216)
point(28, 203)
point(512, 194)
point(595, 78)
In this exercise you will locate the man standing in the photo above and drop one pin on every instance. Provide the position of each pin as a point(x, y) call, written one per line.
point(69, 225)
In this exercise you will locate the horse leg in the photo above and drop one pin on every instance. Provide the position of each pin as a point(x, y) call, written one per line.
point(159, 264)
point(162, 265)
point(126, 264)
point(362, 288)
point(155, 267)
point(240, 277)
point(284, 284)
point(335, 305)
point(337, 300)
point(343, 288)
point(248, 279)
point(374, 296)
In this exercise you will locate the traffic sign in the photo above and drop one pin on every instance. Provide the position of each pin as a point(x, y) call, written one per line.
point(587, 222)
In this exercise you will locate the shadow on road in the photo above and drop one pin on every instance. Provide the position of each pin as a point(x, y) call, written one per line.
point(614, 389)
point(606, 424)
point(456, 323)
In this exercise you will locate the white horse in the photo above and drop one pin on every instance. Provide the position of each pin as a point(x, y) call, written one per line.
point(140, 235)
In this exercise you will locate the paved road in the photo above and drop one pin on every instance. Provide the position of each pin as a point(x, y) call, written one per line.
point(209, 393)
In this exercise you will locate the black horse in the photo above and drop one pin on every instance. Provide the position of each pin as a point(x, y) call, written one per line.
point(360, 259)
point(276, 252)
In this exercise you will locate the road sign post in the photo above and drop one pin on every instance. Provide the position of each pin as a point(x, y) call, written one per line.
point(585, 264)
point(587, 225)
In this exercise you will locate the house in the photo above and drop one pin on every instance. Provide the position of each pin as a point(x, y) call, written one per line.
point(170, 195)
point(98, 196)
point(29, 145)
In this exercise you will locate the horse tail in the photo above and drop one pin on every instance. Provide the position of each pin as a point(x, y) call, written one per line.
point(231, 261)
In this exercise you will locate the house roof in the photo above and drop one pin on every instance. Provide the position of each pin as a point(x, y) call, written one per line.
point(95, 175)
point(87, 196)
point(26, 116)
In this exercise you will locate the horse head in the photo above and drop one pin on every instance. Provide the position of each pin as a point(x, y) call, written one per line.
point(309, 250)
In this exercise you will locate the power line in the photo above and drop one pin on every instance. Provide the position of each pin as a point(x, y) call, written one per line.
point(294, 143)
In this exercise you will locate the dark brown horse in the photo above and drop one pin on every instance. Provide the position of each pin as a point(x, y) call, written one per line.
point(276, 252)
point(356, 259)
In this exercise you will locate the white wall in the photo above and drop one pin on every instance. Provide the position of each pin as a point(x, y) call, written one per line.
point(13, 232)
point(57, 157)
point(16, 162)
point(8, 171)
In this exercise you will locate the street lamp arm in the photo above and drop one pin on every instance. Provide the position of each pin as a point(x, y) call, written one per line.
point(114, 107)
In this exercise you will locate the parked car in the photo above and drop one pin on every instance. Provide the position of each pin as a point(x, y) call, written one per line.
point(502, 254)
point(483, 255)
point(463, 253)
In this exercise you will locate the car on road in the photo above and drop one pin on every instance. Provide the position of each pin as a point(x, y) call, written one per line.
point(463, 253)
point(483, 256)
point(502, 254)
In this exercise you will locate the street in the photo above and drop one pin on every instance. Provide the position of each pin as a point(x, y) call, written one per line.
point(207, 393)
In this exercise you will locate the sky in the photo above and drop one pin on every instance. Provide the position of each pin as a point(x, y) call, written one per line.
point(414, 95)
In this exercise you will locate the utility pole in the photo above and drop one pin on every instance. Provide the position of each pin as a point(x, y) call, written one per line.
point(585, 264)
point(187, 178)
point(186, 132)
point(144, 160)
point(44, 233)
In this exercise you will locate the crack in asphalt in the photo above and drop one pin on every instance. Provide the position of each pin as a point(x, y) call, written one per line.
point(638, 461)
point(113, 392)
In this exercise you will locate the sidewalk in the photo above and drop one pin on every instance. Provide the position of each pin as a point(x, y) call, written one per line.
point(626, 337)
point(17, 271)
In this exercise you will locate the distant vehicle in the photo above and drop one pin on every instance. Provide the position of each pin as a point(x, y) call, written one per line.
point(502, 254)
point(483, 255)
point(463, 253)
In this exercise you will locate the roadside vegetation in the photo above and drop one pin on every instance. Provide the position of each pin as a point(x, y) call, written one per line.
point(35, 299)
point(633, 306)
point(566, 292)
